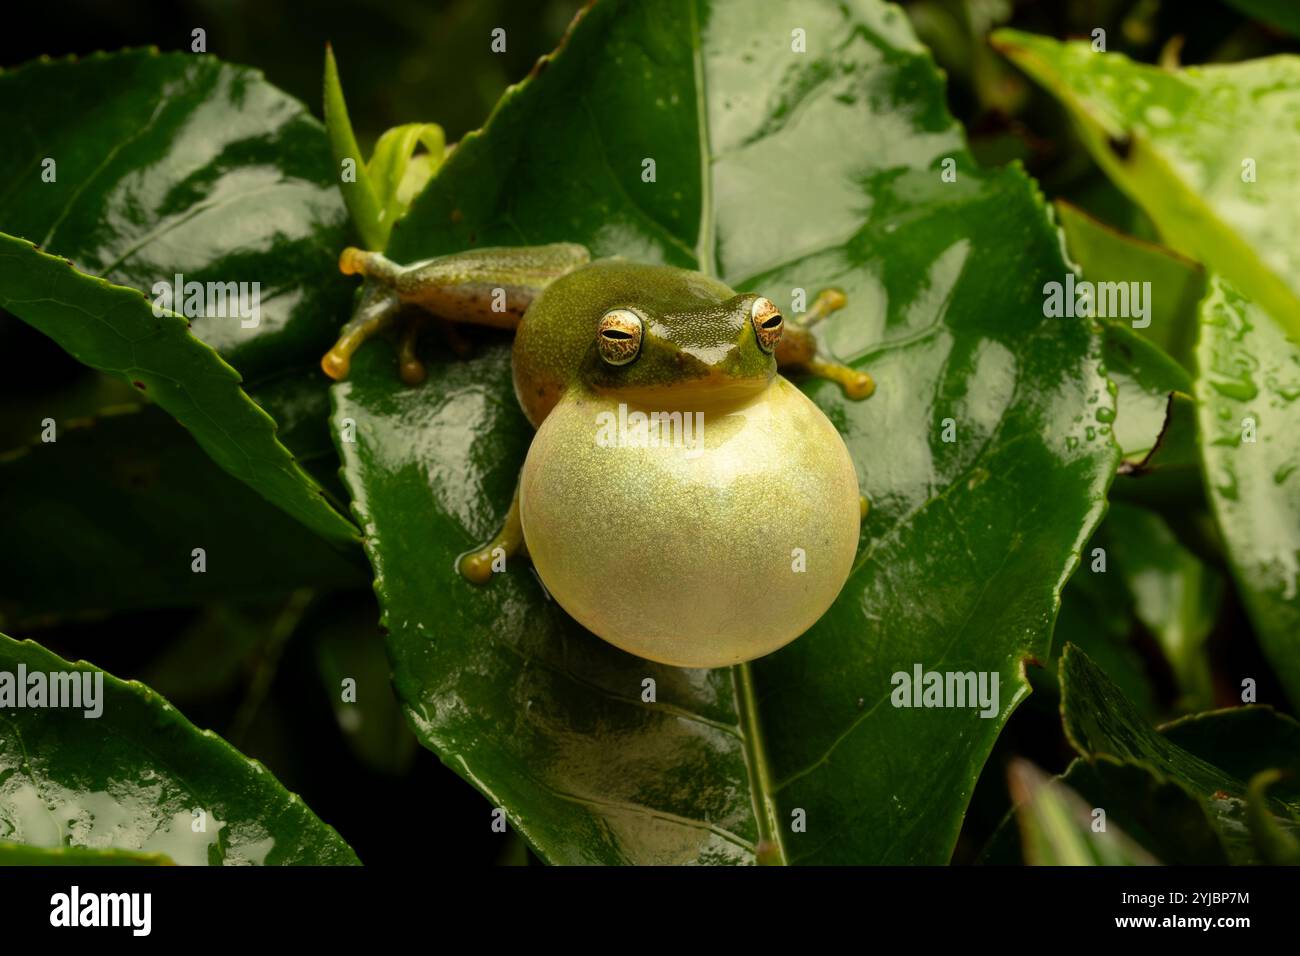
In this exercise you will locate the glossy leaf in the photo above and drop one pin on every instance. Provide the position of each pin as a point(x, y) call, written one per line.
point(126, 538)
point(169, 163)
point(1247, 389)
point(133, 777)
point(1102, 726)
point(1211, 153)
point(114, 329)
point(1150, 420)
point(966, 545)
point(1173, 284)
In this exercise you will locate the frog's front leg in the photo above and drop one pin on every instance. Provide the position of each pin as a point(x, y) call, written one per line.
point(492, 287)
point(478, 565)
point(798, 348)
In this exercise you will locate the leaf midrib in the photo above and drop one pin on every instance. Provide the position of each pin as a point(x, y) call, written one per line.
point(749, 722)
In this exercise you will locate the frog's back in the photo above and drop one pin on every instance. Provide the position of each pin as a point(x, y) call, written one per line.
point(559, 328)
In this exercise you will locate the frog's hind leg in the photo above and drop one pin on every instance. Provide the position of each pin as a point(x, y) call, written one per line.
point(492, 287)
point(798, 348)
point(479, 564)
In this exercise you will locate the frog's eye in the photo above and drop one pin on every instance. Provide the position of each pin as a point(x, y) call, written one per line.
point(768, 323)
point(619, 336)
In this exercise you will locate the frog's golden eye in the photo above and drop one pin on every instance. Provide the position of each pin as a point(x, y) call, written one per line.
point(619, 336)
point(768, 323)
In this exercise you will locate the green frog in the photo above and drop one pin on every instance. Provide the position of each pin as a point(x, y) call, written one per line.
point(681, 499)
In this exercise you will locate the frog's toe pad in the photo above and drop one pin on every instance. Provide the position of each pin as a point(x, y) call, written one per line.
point(859, 385)
point(476, 567)
point(335, 365)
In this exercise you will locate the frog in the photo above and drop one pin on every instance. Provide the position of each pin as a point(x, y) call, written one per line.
point(681, 498)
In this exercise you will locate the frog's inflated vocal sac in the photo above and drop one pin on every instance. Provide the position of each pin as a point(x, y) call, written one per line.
point(680, 499)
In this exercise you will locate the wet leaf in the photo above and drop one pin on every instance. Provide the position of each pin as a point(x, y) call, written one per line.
point(967, 543)
point(133, 778)
point(1103, 727)
point(173, 163)
point(1186, 146)
point(113, 329)
point(1249, 419)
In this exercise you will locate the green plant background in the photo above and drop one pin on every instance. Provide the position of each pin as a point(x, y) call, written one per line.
point(173, 437)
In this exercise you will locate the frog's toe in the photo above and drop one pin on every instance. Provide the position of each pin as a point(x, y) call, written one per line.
point(409, 366)
point(352, 261)
point(335, 364)
point(857, 385)
point(476, 567)
point(374, 313)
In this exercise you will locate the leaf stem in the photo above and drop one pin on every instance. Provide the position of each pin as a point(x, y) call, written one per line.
point(770, 849)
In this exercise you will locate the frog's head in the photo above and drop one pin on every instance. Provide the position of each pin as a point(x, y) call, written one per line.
point(715, 351)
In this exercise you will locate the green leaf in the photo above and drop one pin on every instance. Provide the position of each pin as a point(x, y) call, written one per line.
point(1102, 726)
point(1282, 14)
point(944, 282)
point(1278, 844)
point(115, 330)
point(1176, 284)
point(17, 854)
point(1152, 414)
point(1182, 144)
point(133, 779)
point(378, 192)
point(174, 163)
point(1097, 615)
point(349, 648)
point(1056, 825)
point(126, 538)
point(1244, 741)
point(1158, 815)
point(1250, 379)
point(359, 193)
point(1174, 595)
point(398, 172)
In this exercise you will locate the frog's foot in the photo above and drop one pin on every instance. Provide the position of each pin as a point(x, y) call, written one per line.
point(479, 565)
point(857, 385)
point(798, 348)
point(375, 313)
point(863, 507)
point(827, 301)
